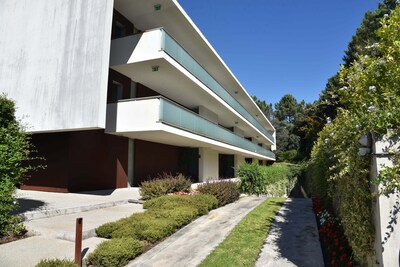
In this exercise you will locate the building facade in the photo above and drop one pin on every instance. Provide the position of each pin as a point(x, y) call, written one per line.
point(116, 92)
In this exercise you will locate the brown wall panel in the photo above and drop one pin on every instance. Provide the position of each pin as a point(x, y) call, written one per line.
point(97, 161)
point(53, 147)
point(154, 158)
point(80, 161)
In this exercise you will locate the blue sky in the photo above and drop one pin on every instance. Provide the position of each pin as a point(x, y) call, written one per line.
point(282, 46)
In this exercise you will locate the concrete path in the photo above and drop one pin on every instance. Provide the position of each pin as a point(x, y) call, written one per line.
point(55, 232)
point(193, 243)
point(37, 204)
point(293, 238)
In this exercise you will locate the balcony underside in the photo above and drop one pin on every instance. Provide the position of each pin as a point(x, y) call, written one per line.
point(162, 121)
point(135, 57)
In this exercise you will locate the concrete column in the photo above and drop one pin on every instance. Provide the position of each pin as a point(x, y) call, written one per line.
point(273, 147)
point(238, 159)
point(208, 164)
point(387, 232)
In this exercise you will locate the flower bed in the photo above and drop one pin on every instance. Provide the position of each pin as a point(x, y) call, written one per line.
point(334, 244)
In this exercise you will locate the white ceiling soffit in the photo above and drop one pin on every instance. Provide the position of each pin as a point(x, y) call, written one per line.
point(175, 21)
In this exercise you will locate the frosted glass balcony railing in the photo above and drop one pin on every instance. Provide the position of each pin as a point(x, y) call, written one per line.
point(178, 53)
point(175, 115)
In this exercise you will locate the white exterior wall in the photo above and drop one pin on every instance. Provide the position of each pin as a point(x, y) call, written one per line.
point(208, 164)
point(54, 61)
point(387, 234)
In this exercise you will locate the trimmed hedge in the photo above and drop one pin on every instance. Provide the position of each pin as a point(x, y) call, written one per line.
point(115, 252)
point(164, 184)
point(164, 216)
point(276, 180)
point(225, 191)
point(203, 203)
point(56, 263)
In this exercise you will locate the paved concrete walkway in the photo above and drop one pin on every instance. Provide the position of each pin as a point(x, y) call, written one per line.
point(193, 243)
point(293, 238)
point(52, 218)
point(37, 204)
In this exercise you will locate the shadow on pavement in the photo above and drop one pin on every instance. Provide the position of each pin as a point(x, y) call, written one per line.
point(297, 235)
point(105, 192)
point(26, 204)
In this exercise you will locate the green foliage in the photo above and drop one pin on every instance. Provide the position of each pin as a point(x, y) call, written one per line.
point(115, 252)
point(15, 148)
point(163, 185)
point(366, 33)
point(251, 179)
point(371, 98)
point(287, 108)
point(202, 202)
point(276, 180)
point(164, 216)
point(56, 263)
point(265, 108)
point(243, 245)
point(225, 191)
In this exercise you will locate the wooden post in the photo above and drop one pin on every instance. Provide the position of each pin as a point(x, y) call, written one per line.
point(78, 241)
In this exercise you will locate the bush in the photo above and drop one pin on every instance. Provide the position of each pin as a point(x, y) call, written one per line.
point(251, 179)
point(164, 216)
point(107, 229)
point(276, 180)
point(56, 263)
point(163, 185)
point(203, 203)
point(15, 148)
point(115, 252)
point(180, 215)
point(225, 191)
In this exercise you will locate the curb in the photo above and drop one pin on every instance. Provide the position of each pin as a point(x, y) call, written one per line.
point(34, 215)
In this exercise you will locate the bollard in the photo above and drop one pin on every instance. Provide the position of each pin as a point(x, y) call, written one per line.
point(78, 241)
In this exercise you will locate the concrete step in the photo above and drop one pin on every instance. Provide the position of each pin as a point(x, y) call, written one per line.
point(63, 226)
point(47, 213)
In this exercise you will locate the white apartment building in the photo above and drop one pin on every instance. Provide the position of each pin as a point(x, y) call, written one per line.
point(118, 91)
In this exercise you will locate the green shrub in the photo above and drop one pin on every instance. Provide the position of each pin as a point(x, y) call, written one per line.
point(180, 215)
point(56, 263)
point(163, 185)
point(115, 252)
point(225, 191)
point(203, 203)
point(157, 229)
point(15, 149)
point(106, 230)
point(164, 216)
point(276, 180)
point(251, 178)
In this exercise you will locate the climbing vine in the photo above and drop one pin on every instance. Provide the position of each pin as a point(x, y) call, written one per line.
point(371, 100)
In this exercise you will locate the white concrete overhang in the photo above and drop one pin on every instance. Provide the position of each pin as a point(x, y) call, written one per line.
point(175, 21)
point(157, 119)
point(135, 56)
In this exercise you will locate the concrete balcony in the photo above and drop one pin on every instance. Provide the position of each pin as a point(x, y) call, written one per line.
point(156, 60)
point(160, 120)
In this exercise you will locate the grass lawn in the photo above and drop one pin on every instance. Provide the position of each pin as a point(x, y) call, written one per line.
point(242, 246)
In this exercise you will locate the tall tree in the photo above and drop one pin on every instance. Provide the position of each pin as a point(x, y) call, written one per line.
point(287, 108)
point(265, 108)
